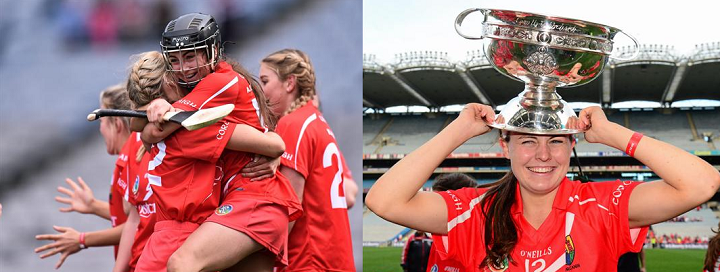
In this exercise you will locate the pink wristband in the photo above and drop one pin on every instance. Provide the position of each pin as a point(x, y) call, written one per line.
point(82, 241)
point(633, 143)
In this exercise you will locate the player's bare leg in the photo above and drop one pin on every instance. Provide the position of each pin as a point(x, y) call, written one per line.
point(261, 261)
point(212, 247)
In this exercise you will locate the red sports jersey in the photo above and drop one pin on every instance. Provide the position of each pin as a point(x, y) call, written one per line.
point(119, 182)
point(437, 264)
point(182, 172)
point(587, 229)
point(225, 86)
point(320, 239)
point(140, 195)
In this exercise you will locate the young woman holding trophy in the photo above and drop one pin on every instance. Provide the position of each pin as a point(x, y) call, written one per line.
point(535, 218)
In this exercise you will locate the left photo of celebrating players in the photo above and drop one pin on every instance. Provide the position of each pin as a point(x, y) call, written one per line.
point(229, 135)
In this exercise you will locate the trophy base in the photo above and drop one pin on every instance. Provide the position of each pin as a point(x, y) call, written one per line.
point(562, 131)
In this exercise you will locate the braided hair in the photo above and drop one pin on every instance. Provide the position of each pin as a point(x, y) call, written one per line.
point(145, 82)
point(288, 62)
point(146, 77)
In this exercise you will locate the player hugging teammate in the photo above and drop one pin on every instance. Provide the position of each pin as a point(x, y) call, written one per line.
point(211, 199)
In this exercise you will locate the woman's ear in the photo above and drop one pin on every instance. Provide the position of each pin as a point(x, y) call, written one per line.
point(290, 83)
point(118, 124)
point(504, 146)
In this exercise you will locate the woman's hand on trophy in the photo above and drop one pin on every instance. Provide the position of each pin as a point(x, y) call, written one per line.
point(476, 118)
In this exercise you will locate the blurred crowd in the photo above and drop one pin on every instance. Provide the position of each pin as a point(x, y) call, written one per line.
point(104, 24)
point(665, 240)
point(684, 218)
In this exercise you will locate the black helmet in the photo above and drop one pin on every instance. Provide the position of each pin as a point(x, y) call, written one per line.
point(193, 31)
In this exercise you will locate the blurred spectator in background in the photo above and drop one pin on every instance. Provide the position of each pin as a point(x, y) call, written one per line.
point(103, 25)
point(133, 21)
point(712, 257)
point(416, 252)
point(71, 21)
point(164, 12)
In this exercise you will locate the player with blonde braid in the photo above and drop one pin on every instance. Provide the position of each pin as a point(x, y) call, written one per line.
point(117, 135)
point(146, 82)
point(320, 239)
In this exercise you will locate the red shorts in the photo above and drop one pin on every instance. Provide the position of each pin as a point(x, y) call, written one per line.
point(168, 236)
point(264, 221)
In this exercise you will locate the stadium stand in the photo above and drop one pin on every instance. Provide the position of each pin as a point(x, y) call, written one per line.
point(378, 231)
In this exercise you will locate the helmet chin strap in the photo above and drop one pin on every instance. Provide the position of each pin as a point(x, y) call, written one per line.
point(583, 178)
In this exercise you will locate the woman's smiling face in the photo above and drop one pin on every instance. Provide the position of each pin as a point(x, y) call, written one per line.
point(540, 162)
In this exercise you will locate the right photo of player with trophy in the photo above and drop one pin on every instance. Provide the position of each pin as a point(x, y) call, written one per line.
point(587, 135)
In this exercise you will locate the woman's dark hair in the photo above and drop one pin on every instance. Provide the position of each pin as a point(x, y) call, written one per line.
point(500, 231)
point(713, 251)
point(453, 181)
point(268, 117)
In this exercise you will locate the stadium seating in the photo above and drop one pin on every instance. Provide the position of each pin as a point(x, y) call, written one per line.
point(376, 229)
point(408, 131)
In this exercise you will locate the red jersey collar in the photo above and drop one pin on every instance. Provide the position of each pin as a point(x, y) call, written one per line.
point(222, 66)
point(560, 203)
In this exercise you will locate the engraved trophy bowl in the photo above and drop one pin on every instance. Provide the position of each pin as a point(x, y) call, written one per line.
point(544, 52)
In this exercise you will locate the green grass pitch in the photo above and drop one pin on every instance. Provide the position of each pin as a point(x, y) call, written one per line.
point(387, 259)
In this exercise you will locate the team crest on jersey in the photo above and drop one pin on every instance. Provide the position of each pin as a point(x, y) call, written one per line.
point(434, 268)
point(569, 250)
point(224, 209)
point(136, 185)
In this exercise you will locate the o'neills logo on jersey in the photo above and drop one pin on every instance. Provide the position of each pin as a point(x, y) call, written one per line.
point(534, 254)
point(146, 210)
point(224, 209)
point(451, 269)
point(287, 156)
point(188, 102)
point(569, 250)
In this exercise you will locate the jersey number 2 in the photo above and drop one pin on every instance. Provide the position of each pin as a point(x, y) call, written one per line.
point(337, 201)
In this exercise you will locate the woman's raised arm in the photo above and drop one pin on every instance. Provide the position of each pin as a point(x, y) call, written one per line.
point(686, 180)
point(396, 197)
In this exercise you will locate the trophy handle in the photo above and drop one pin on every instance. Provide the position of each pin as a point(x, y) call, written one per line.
point(459, 20)
point(637, 48)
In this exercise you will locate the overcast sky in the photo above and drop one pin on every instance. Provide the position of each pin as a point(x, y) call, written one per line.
point(398, 26)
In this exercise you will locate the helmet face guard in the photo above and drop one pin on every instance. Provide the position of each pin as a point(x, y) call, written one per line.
point(194, 32)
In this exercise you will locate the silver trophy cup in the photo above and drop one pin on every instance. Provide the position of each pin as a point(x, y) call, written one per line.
point(545, 52)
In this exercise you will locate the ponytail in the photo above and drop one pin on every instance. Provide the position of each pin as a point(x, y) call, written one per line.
point(294, 62)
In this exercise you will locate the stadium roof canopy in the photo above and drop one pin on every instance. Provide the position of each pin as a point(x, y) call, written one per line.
point(657, 74)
